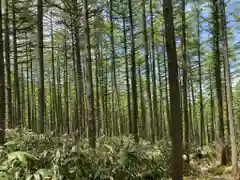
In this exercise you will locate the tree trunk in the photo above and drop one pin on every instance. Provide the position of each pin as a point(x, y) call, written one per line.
point(229, 91)
point(218, 83)
point(202, 126)
point(176, 120)
point(185, 86)
point(41, 100)
point(89, 81)
point(133, 77)
point(127, 75)
point(8, 70)
point(54, 98)
point(19, 121)
point(2, 85)
point(150, 108)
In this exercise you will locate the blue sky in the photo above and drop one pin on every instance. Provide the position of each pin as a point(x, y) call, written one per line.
point(232, 6)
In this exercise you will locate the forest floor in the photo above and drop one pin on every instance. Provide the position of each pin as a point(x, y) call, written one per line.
point(211, 173)
point(27, 155)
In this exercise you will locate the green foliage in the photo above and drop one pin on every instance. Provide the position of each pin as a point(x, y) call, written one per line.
point(28, 156)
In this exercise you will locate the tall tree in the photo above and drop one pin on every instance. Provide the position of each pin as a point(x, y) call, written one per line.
point(133, 77)
point(185, 87)
point(202, 126)
point(8, 69)
point(176, 120)
point(41, 63)
point(154, 86)
point(218, 81)
point(89, 80)
point(229, 89)
point(2, 85)
point(145, 35)
point(127, 73)
point(18, 119)
point(53, 98)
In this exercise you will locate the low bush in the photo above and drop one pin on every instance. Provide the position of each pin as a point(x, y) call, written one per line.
point(28, 156)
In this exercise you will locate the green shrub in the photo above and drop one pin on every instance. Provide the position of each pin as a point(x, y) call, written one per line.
point(28, 156)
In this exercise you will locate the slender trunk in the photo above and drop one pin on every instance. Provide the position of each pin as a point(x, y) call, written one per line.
point(41, 64)
point(59, 92)
point(150, 108)
point(127, 75)
point(166, 88)
point(8, 70)
point(89, 81)
point(113, 76)
point(97, 77)
point(162, 125)
point(185, 86)
point(176, 120)
point(16, 75)
point(229, 91)
point(33, 105)
point(22, 123)
point(28, 99)
point(133, 77)
point(79, 72)
point(202, 126)
point(2, 83)
point(144, 130)
point(66, 124)
point(53, 122)
point(212, 106)
point(154, 88)
point(218, 81)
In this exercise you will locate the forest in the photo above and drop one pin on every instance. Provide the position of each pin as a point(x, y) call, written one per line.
point(119, 89)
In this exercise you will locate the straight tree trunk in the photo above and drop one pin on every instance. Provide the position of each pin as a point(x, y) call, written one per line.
point(133, 76)
point(218, 81)
point(202, 125)
point(8, 70)
point(127, 75)
point(2, 85)
point(150, 107)
point(154, 86)
point(185, 86)
point(59, 93)
point(66, 106)
point(41, 100)
point(212, 106)
point(162, 125)
point(144, 130)
point(15, 57)
point(97, 77)
point(22, 122)
point(229, 90)
point(113, 76)
point(79, 72)
point(166, 88)
point(176, 120)
point(89, 81)
point(54, 107)
point(33, 105)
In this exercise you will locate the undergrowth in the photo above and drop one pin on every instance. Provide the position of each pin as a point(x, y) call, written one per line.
point(28, 156)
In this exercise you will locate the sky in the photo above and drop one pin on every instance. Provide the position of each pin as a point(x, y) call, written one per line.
point(232, 6)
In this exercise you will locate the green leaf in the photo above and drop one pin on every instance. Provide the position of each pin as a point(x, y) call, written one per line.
point(9, 143)
point(23, 157)
point(29, 177)
point(45, 173)
point(37, 177)
point(98, 173)
point(110, 148)
point(4, 176)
